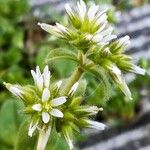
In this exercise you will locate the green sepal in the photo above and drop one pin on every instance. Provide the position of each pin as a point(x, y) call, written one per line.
point(76, 102)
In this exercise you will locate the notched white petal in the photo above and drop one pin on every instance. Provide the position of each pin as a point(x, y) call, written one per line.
point(95, 125)
point(45, 117)
point(34, 76)
point(57, 113)
point(40, 83)
point(58, 101)
point(45, 95)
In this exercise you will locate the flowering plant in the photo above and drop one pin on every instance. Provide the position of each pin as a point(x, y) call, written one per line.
point(58, 106)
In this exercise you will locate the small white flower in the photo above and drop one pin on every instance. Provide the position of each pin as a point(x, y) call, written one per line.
point(46, 76)
point(61, 28)
point(125, 41)
point(51, 29)
point(69, 10)
point(14, 89)
point(95, 125)
point(74, 88)
point(92, 12)
point(138, 70)
point(120, 80)
point(41, 80)
point(81, 8)
point(47, 107)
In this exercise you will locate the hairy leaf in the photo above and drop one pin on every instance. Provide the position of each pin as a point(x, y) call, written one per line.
point(61, 54)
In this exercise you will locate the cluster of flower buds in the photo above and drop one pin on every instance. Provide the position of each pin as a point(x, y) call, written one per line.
point(48, 107)
point(88, 26)
point(90, 32)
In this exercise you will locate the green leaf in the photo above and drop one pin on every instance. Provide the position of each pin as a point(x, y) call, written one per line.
point(61, 54)
point(9, 123)
point(24, 142)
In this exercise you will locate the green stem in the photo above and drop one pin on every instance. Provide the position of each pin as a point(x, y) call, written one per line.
point(72, 80)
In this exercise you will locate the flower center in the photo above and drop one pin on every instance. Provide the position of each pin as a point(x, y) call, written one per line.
point(47, 107)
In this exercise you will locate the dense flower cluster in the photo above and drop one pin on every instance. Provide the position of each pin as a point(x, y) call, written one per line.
point(91, 33)
point(47, 107)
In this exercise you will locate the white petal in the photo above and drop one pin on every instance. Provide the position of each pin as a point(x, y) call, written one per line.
point(40, 83)
point(46, 76)
point(74, 88)
point(106, 32)
point(97, 38)
point(69, 10)
point(61, 27)
point(81, 9)
point(138, 70)
point(45, 95)
point(114, 69)
point(102, 19)
point(50, 29)
point(16, 91)
point(125, 89)
point(95, 125)
point(58, 101)
point(37, 107)
point(38, 72)
point(125, 40)
point(92, 11)
point(45, 117)
point(32, 128)
point(34, 76)
point(109, 38)
point(56, 113)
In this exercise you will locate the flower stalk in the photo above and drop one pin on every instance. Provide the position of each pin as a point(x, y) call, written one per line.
point(43, 138)
point(77, 74)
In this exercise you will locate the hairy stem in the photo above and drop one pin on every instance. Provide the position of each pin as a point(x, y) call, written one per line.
point(43, 139)
point(72, 80)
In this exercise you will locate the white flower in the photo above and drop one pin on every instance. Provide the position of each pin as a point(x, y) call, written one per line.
point(95, 124)
point(81, 9)
point(124, 41)
point(91, 110)
point(138, 70)
point(41, 80)
point(58, 30)
point(116, 73)
point(14, 89)
point(92, 12)
point(47, 107)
